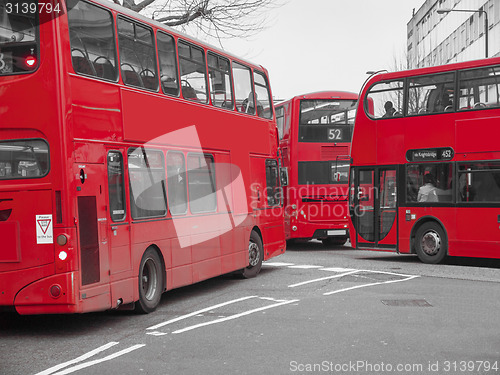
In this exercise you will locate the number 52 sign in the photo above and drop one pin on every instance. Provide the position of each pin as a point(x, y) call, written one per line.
point(335, 134)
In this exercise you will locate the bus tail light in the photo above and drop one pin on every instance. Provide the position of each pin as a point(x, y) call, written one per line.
point(55, 291)
point(65, 253)
point(30, 61)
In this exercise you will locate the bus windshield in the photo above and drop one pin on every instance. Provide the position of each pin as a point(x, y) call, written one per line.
point(326, 120)
point(18, 39)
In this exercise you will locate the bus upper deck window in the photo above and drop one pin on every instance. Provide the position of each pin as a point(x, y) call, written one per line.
point(385, 100)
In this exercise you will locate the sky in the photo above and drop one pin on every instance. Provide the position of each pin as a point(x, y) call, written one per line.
point(317, 45)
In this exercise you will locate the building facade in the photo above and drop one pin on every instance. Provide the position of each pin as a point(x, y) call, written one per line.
point(435, 38)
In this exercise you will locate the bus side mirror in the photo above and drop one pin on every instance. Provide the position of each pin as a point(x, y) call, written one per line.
point(284, 176)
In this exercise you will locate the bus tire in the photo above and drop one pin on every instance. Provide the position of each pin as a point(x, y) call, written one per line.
point(431, 244)
point(255, 256)
point(150, 282)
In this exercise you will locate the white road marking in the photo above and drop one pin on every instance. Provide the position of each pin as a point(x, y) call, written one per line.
point(272, 299)
point(157, 333)
point(366, 285)
point(234, 316)
point(79, 359)
point(337, 269)
point(53, 370)
point(277, 264)
point(199, 312)
point(97, 361)
point(322, 278)
point(305, 266)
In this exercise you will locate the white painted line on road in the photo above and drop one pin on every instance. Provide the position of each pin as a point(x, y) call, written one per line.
point(277, 264)
point(323, 278)
point(366, 285)
point(157, 333)
point(305, 266)
point(97, 361)
point(272, 299)
point(79, 359)
point(337, 269)
point(388, 273)
point(53, 370)
point(198, 312)
point(235, 316)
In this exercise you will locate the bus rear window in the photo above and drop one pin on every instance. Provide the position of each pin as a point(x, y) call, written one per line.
point(18, 39)
point(23, 158)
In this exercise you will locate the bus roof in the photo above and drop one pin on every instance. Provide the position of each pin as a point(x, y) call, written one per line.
point(386, 76)
point(325, 95)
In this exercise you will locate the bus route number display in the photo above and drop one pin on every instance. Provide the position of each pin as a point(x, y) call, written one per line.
point(335, 134)
point(430, 154)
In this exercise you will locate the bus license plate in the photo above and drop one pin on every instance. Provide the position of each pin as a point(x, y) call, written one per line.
point(338, 232)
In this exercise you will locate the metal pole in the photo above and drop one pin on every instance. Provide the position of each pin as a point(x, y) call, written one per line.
point(486, 32)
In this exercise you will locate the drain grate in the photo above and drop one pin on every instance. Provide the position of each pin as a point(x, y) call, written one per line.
point(406, 303)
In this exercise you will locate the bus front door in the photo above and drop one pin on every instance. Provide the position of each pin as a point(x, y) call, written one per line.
point(375, 207)
point(119, 235)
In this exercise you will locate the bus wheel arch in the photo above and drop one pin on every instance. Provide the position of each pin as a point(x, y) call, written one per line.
point(429, 240)
point(255, 254)
point(151, 280)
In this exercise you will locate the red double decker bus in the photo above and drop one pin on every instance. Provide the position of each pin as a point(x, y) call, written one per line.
point(425, 173)
point(315, 135)
point(129, 154)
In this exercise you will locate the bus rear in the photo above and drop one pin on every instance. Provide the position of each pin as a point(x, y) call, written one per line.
point(31, 187)
point(316, 132)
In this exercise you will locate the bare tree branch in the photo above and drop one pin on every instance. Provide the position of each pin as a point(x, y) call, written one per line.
point(218, 19)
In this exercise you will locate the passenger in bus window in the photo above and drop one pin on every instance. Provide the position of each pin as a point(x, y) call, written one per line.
point(389, 109)
point(249, 107)
point(443, 104)
point(427, 192)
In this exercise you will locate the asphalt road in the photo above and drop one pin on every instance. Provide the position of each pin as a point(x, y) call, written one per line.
point(311, 310)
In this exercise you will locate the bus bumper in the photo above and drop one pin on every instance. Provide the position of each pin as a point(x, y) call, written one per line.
point(50, 295)
point(307, 230)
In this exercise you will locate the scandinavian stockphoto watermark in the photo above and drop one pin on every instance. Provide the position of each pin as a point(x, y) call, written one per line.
point(367, 367)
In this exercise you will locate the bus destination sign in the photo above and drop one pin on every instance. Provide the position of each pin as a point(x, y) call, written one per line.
point(430, 154)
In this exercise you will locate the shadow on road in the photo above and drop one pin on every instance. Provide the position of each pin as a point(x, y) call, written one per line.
point(313, 245)
point(389, 256)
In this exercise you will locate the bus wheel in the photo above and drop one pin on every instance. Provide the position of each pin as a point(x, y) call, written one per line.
point(150, 282)
point(255, 256)
point(431, 244)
